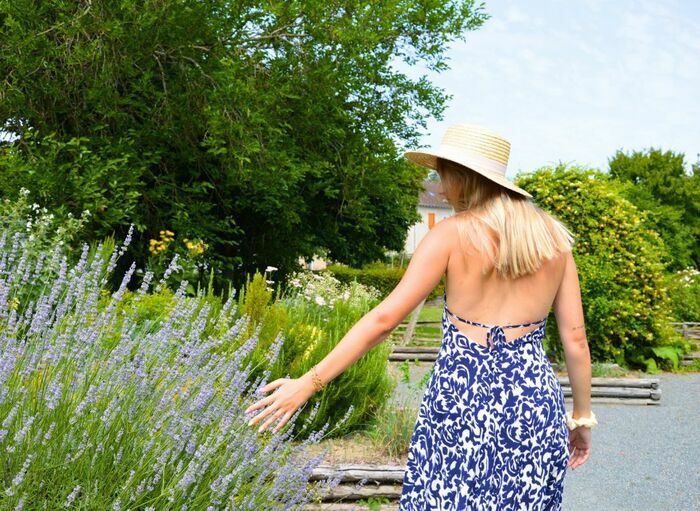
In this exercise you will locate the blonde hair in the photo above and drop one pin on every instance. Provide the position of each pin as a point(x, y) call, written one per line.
point(525, 234)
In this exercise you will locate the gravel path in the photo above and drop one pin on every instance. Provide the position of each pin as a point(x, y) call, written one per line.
point(644, 457)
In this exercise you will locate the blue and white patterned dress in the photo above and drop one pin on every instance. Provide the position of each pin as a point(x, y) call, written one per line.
point(491, 432)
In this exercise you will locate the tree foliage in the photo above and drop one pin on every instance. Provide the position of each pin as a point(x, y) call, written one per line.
point(659, 184)
point(270, 130)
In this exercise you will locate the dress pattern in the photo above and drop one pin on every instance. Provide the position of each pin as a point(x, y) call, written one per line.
point(491, 432)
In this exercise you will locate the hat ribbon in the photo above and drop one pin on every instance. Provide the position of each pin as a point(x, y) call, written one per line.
point(457, 154)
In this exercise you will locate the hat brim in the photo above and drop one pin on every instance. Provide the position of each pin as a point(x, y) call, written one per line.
point(429, 159)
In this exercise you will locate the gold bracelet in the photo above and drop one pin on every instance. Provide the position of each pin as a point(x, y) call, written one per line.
point(318, 384)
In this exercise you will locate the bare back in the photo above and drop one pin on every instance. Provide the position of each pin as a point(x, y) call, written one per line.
point(489, 299)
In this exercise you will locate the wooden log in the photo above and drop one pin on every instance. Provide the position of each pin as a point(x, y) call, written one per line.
point(436, 339)
point(353, 472)
point(422, 357)
point(617, 401)
point(416, 349)
point(348, 506)
point(352, 492)
point(624, 392)
point(618, 382)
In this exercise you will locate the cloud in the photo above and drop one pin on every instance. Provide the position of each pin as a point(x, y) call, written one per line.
point(515, 15)
point(576, 81)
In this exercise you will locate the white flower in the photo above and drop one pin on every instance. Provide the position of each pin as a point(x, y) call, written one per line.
point(295, 282)
point(320, 300)
point(270, 268)
point(270, 281)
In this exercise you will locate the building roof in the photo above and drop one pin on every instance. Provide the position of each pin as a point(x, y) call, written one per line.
point(431, 196)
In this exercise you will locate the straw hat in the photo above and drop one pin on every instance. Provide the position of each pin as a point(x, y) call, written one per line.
point(480, 149)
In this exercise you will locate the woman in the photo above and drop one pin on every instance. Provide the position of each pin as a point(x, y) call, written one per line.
point(492, 431)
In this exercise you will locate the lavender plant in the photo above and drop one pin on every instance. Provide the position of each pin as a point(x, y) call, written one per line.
point(101, 409)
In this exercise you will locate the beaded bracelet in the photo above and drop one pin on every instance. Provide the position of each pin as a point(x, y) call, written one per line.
point(318, 384)
point(586, 422)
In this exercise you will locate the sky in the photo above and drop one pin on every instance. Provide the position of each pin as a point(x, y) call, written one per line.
point(576, 81)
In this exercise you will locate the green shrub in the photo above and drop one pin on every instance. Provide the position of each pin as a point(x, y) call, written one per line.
point(625, 298)
point(320, 312)
point(384, 278)
point(684, 289)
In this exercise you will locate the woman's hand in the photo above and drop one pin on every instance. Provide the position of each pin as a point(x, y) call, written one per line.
point(579, 445)
point(290, 395)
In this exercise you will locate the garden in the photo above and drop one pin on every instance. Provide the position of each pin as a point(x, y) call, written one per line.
point(167, 172)
point(132, 395)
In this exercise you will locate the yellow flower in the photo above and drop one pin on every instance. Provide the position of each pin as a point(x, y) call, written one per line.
point(195, 248)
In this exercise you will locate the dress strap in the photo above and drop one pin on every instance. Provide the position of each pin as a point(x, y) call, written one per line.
point(476, 323)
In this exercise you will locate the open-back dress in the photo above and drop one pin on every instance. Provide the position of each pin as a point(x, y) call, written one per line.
point(491, 432)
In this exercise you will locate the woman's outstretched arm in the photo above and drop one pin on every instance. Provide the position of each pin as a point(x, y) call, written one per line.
point(428, 264)
point(425, 269)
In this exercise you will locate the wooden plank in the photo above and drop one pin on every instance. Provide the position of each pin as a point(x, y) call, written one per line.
point(620, 392)
point(349, 506)
point(421, 357)
point(618, 382)
point(416, 349)
point(351, 492)
point(411, 327)
point(617, 401)
point(353, 472)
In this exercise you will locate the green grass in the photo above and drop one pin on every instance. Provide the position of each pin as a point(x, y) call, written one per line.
point(431, 313)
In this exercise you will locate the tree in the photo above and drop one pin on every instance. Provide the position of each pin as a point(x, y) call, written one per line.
point(267, 129)
point(658, 183)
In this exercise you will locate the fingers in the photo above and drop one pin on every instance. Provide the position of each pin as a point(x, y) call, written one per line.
point(273, 384)
point(283, 421)
point(267, 411)
point(272, 419)
point(264, 401)
point(260, 403)
point(273, 408)
point(579, 457)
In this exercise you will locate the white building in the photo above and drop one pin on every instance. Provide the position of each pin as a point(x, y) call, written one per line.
point(432, 207)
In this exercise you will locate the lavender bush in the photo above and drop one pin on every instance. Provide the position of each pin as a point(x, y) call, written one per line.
point(103, 409)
